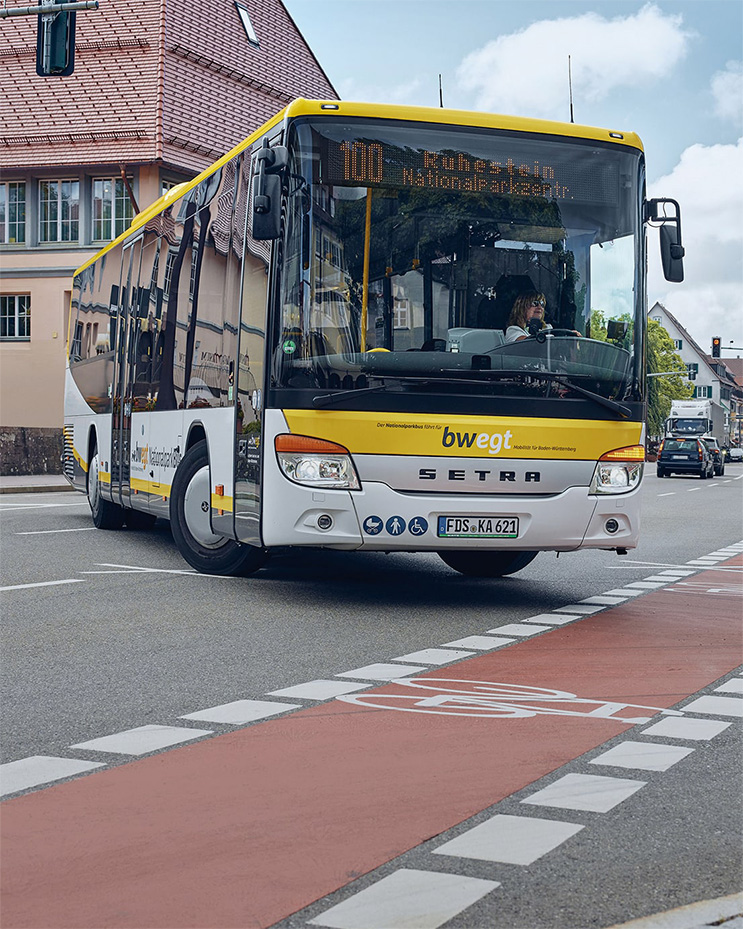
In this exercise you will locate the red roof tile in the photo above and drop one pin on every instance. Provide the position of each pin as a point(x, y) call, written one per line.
point(175, 80)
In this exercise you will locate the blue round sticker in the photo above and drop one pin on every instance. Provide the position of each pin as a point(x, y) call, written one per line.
point(373, 525)
point(418, 525)
point(395, 525)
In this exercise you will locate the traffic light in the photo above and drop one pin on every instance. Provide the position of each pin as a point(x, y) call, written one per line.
point(716, 342)
point(55, 42)
point(691, 370)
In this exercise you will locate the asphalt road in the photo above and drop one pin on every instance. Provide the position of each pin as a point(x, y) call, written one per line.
point(136, 638)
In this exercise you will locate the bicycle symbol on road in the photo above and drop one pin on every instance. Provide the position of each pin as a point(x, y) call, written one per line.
point(450, 697)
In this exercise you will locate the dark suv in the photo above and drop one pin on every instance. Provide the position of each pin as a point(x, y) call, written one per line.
point(718, 458)
point(684, 456)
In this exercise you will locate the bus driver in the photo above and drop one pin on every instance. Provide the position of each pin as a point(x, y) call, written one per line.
point(527, 306)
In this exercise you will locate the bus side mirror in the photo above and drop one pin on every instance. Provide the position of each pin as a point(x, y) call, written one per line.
point(671, 254)
point(671, 249)
point(271, 164)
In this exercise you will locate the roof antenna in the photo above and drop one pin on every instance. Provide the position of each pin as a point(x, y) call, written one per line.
point(570, 85)
point(441, 94)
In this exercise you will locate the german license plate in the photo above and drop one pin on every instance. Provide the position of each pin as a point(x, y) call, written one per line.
point(478, 527)
point(680, 457)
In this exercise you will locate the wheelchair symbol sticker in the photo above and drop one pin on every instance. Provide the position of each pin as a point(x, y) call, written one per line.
point(395, 525)
point(418, 525)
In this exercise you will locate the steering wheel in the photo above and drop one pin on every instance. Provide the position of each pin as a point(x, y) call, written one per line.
point(543, 333)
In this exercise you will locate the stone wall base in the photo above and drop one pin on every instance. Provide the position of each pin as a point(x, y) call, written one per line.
point(27, 450)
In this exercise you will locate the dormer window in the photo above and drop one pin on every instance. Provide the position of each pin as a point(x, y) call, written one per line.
point(247, 24)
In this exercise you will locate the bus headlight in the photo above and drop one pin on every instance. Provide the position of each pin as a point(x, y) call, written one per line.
point(618, 471)
point(316, 462)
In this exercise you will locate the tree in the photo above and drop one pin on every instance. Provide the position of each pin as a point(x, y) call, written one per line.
point(662, 356)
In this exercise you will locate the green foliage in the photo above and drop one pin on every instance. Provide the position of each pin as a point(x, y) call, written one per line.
point(662, 356)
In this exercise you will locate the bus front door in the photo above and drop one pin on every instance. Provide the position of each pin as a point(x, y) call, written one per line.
point(124, 375)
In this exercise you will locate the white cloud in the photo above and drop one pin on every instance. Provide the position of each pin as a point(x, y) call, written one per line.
point(727, 90)
point(708, 185)
point(527, 71)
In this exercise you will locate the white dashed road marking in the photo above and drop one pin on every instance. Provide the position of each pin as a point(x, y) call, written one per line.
point(693, 729)
point(382, 672)
point(40, 769)
point(643, 756)
point(142, 740)
point(589, 792)
point(510, 839)
point(553, 619)
point(318, 690)
point(435, 656)
point(483, 643)
point(730, 687)
point(69, 580)
point(716, 706)
point(583, 609)
point(52, 531)
point(240, 712)
point(407, 899)
point(520, 629)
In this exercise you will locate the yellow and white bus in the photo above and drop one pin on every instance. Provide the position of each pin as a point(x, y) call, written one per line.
point(307, 344)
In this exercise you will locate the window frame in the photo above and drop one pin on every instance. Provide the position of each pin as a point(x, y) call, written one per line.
point(17, 319)
point(5, 222)
point(59, 221)
point(119, 198)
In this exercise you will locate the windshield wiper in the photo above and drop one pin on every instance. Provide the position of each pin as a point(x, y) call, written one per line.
point(488, 375)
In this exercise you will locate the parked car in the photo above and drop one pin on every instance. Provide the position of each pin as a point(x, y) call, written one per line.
point(735, 453)
point(684, 456)
point(718, 457)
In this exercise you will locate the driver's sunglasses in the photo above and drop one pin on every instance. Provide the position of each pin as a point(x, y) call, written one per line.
point(537, 303)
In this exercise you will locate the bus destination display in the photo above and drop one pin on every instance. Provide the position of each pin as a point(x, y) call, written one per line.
point(365, 163)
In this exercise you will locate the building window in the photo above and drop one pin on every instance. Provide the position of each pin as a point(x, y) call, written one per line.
point(678, 344)
point(15, 317)
point(401, 310)
point(59, 211)
point(703, 393)
point(169, 263)
point(112, 208)
point(247, 25)
point(12, 213)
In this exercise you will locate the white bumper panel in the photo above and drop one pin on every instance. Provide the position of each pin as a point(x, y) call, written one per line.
point(379, 519)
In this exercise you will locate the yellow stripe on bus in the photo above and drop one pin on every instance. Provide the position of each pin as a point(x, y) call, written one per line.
point(464, 436)
point(222, 503)
point(83, 464)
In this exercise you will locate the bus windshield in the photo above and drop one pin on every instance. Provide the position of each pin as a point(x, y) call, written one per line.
point(410, 250)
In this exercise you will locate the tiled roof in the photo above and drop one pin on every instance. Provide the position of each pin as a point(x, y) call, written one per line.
point(175, 80)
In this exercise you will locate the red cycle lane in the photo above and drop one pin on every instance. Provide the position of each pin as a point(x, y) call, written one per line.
point(243, 829)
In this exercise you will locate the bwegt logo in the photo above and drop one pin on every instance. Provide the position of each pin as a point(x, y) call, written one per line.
point(492, 442)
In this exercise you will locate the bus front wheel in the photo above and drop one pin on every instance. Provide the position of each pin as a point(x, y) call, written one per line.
point(190, 508)
point(487, 564)
point(106, 515)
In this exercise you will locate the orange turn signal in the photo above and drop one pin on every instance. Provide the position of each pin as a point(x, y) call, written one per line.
point(304, 444)
point(629, 453)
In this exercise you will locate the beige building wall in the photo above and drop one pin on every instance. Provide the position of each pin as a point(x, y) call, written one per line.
point(32, 372)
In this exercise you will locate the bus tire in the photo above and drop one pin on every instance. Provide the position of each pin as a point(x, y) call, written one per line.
point(487, 564)
point(106, 515)
point(137, 519)
point(190, 506)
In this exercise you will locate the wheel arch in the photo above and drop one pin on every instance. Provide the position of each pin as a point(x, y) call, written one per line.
point(196, 433)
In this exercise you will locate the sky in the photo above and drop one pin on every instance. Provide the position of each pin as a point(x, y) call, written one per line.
point(670, 71)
